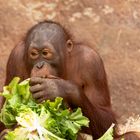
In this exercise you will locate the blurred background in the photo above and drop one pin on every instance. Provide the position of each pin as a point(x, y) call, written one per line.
point(112, 27)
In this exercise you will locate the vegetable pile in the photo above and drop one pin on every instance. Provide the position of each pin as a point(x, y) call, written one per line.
point(50, 120)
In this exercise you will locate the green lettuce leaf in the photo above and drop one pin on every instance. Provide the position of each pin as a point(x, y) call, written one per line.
point(8, 112)
point(51, 120)
point(108, 134)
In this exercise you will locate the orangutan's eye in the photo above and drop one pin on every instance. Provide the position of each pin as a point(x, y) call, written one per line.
point(34, 54)
point(47, 54)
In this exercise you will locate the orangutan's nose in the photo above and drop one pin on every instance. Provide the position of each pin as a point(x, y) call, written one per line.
point(40, 65)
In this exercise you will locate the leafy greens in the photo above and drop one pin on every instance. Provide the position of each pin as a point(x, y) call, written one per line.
point(49, 120)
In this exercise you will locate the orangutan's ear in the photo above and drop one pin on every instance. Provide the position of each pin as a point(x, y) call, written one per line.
point(69, 45)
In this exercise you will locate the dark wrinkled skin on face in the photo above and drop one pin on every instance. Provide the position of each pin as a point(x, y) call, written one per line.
point(58, 66)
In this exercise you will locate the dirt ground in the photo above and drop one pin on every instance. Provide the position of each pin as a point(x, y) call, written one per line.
point(112, 27)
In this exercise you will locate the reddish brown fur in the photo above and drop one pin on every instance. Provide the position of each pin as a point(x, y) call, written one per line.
point(129, 136)
point(85, 68)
